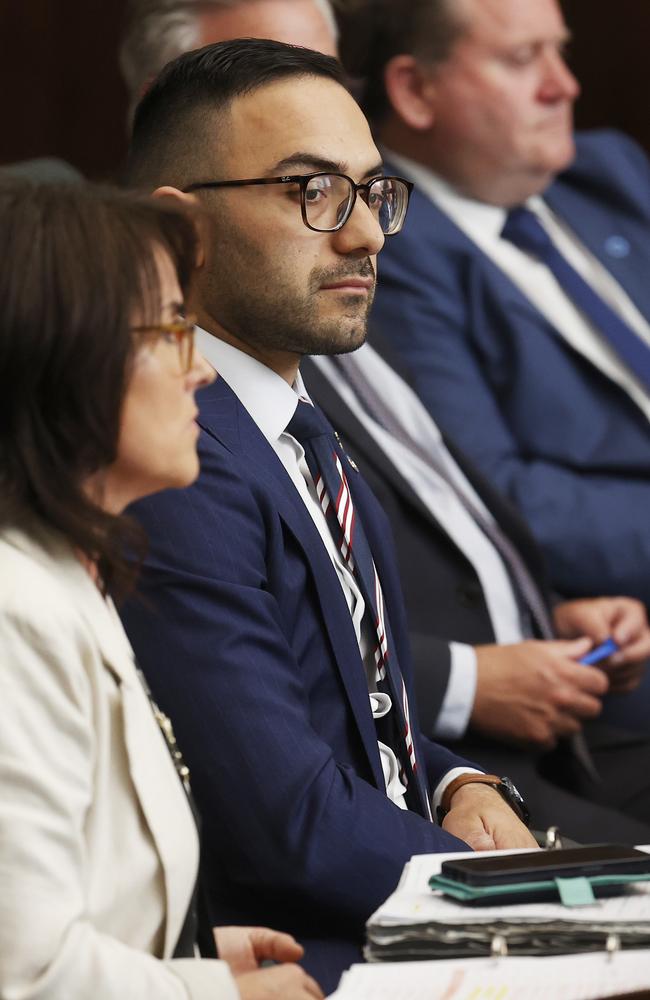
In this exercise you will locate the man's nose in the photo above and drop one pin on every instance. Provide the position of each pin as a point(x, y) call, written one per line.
point(361, 235)
point(559, 82)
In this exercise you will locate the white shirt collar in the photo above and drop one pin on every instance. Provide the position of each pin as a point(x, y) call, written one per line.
point(469, 214)
point(270, 401)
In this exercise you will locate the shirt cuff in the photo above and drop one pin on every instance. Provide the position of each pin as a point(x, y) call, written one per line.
point(453, 717)
point(447, 780)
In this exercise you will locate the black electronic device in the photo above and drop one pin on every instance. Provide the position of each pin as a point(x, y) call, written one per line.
point(530, 866)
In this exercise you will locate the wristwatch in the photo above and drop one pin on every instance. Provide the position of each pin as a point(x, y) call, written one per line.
point(504, 786)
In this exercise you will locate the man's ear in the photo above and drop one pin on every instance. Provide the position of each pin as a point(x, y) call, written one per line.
point(191, 203)
point(411, 91)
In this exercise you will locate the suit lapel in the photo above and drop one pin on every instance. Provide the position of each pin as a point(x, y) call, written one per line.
point(483, 280)
point(162, 799)
point(354, 434)
point(362, 443)
point(154, 778)
point(325, 393)
point(506, 516)
point(226, 419)
point(614, 233)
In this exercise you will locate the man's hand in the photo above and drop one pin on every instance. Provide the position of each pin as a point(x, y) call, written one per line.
point(243, 948)
point(533, 692)
point(284, 982)
point(479, 816)
point(622, 618)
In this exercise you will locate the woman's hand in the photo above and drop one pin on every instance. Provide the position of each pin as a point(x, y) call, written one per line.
point(283, 982)
point(244, 948)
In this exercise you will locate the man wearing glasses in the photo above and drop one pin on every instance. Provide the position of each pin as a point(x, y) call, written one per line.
point(273, 629)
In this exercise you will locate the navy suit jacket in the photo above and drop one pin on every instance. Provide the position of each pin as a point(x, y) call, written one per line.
point(565, 443)
point(444, 598)
point(247, 642)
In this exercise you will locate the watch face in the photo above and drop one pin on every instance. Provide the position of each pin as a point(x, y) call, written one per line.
point(512, 795)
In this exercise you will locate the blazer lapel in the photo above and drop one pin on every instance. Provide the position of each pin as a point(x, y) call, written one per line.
point(506, 516)
point(226, 419)
point(157, 786)
point(355, 435)
point(360, 442)
point(614, 233)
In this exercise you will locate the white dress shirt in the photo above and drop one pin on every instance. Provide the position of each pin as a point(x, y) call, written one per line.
point(508, 623)
point(271, 402)
point(483, 223)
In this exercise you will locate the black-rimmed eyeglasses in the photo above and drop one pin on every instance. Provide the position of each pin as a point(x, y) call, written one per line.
point(327, 199)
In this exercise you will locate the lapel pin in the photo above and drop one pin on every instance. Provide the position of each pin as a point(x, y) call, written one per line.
point(617, 246)
point(353, 464)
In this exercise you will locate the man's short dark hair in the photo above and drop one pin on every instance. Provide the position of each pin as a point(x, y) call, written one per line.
point(181, 108)
point(374, 31)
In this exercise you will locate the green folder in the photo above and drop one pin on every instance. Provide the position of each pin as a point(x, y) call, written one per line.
point(568, 891)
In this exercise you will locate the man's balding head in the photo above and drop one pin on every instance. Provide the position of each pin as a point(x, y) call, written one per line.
point(161, 30)
point(379, 30)
point(476, 90)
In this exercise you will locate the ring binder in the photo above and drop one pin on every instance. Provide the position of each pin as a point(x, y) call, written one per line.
point(416, 924)
point(612, 945)
point(553, 839)
point(499, 947)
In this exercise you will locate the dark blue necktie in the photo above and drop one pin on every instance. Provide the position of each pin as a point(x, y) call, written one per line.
point(312, 431)
point(523, 228)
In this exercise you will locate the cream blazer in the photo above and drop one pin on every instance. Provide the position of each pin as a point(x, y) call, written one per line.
point(98, 848)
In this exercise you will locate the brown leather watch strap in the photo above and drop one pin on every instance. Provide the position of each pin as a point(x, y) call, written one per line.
point(465, 779)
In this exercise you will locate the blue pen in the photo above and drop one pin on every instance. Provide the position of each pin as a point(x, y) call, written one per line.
point(600, 652)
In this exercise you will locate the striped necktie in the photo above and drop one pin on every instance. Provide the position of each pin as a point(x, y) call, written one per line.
point(524, 229)
point(523, 583)
point(309, 428)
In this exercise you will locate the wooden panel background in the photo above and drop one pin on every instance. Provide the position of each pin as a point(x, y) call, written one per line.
point(609, 54)
point(62, 94)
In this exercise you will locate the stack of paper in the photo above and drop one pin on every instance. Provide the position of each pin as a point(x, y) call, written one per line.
point(416, 922)
point(572, 977)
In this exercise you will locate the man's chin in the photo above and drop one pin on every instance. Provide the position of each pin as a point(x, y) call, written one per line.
point(558, 148)
point(342, 340)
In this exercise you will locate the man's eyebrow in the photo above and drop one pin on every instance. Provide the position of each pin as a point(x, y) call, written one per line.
point(313, 162)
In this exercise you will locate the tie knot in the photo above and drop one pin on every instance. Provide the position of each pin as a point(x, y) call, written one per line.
point(306, 423)
point(523, 228)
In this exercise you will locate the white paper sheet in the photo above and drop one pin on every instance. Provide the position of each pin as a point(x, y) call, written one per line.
point(569, 977)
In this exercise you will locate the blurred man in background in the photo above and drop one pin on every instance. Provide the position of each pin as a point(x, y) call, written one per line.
point(519, 290)
point(160, 30)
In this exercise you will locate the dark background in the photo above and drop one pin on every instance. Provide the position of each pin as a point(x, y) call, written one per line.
point(62, 94)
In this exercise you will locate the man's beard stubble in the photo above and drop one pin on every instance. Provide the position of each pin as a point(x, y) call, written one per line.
point(275, 319)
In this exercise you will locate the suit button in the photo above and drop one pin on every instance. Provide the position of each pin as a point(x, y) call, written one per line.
point(470, 595)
